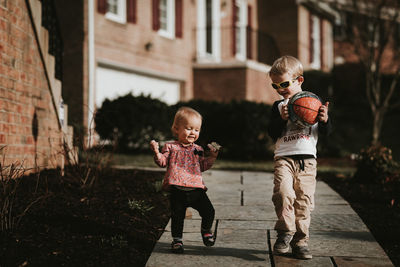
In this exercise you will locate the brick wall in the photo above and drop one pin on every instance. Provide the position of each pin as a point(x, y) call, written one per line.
point(227, 84)
point(125, 44)
point(259, 87)
point(280, 28)
point(29, 125)
point(233, 83)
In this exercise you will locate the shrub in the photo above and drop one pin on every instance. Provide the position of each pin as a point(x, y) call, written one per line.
point(375, 164)
point(239, 126)
point(130, 122)
point(13, 207)
point(318, 82)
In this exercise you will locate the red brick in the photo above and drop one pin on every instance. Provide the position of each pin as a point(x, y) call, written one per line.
point(4, 128)
point(2, 139)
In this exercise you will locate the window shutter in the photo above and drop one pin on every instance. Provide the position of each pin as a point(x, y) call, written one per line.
point(102, 6)
point(178, 18)
point(234, 13)
point(311, 39)
point(249, 33)
point(156, 15)
point(131, 11)
point(322, 40)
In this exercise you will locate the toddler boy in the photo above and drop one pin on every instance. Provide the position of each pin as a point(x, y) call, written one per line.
point(295, 161)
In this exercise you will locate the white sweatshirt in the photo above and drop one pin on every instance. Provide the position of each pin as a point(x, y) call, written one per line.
point(297, 139)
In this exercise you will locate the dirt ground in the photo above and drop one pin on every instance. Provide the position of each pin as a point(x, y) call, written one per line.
point(378, 206)
point(117, 221)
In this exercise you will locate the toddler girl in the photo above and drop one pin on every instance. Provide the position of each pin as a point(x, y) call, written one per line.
point(185, 161)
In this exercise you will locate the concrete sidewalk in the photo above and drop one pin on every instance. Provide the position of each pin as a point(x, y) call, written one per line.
point(243, 205)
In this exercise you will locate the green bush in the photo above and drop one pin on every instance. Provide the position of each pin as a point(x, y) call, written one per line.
point(351, 116)
point(239, 126)
point(318, 82)
point(131, 122)
point(375, 164)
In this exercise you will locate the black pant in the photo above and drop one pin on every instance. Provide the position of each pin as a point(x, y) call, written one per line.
point(196, 199)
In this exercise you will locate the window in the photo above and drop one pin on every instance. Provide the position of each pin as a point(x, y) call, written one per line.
point(167, 18)
point(208, 30)
point(315, 42)
point(209, 26)
point(116, 10)
point(342, 28)
point(249, 33)
point(373, 33)
point(240, 24)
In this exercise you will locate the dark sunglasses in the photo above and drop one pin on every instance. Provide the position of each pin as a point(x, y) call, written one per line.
point(284, 84)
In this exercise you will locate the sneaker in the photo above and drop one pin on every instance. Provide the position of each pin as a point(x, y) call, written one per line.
point(177, 247)
point(302, 252)
point(208, 239)
point(281, 245)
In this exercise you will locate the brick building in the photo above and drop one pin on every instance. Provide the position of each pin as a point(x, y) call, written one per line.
point(172, 49)
point(302, 28)
point(178, 50)
point(32, 125)
point(350, 15)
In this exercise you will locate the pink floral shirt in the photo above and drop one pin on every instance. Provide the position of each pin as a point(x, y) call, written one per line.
point(184, 165)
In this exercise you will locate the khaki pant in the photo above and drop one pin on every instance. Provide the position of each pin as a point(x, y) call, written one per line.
point(293, 197)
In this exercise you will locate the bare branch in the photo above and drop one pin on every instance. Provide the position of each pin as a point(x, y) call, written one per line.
point(393, 86)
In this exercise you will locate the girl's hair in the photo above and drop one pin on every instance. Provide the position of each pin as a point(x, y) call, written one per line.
point(183, 114)
point(287, 64)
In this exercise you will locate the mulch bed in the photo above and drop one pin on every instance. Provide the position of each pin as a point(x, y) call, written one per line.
point(93, 226)
point(377, 205)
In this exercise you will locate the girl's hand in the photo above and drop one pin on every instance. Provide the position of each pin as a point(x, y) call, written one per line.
point(155, 147)
point(323, 113)
point(214, 148)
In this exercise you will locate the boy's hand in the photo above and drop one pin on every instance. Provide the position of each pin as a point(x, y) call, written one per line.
point(155, 147)
point(285, 112)
point(323, 113)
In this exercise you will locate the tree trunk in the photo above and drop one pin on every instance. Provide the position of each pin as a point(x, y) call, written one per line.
point(378, 116)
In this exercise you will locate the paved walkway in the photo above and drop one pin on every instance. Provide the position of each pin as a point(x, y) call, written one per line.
point(242, 201)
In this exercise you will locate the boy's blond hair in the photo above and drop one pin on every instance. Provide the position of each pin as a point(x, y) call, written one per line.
point(287, 64)
point(183, 114)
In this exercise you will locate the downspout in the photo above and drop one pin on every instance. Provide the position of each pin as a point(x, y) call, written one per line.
point(91, 66)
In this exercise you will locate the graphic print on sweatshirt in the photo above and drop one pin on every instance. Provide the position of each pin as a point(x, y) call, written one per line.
point(296, 132)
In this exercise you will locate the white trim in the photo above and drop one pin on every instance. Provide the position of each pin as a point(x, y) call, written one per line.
point(255, 65)
point(251, 64)
point(216, 32)
point(202, 55)
point(316, 37)
point(113, 83)
point(242, 51)
point(91, 66)
point(170, 31)
point(200, 34)
point(105, 63)
point(120, 17)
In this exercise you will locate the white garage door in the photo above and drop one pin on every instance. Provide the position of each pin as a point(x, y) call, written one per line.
point(112, 83)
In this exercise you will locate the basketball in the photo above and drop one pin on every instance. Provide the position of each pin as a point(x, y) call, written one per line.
point(303, 108)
